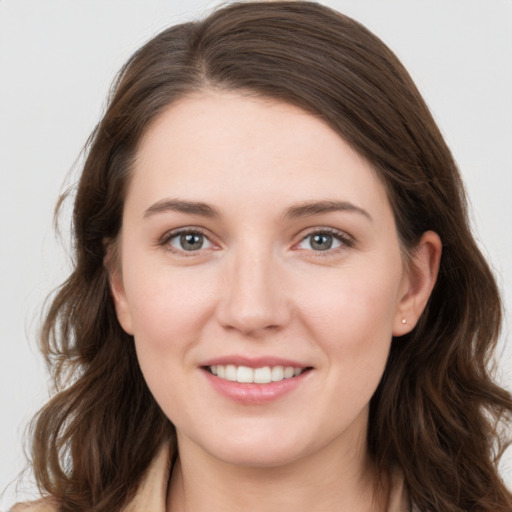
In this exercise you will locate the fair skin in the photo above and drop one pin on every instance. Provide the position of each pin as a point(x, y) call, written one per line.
point(255, 238)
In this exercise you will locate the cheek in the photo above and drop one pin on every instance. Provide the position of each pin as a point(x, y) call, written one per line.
point(352, 315)
point(167, 315)
point(168, 305)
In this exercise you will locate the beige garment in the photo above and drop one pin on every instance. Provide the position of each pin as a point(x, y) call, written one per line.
point(152, 493)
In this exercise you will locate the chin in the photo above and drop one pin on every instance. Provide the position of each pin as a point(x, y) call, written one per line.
point(258, 456)
point(259, 450)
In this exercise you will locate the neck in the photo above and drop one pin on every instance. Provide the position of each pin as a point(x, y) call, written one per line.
point(328, 480)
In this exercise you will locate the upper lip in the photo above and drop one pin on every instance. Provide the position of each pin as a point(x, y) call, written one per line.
point(253, 362)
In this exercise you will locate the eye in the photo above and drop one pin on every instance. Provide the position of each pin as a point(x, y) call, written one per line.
point(189, 241)
point(323, 241)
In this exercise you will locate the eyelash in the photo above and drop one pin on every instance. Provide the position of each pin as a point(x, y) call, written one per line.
point(165, 241)
point(344, 239)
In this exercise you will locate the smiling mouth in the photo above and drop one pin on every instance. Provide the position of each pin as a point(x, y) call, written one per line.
point(247, 375)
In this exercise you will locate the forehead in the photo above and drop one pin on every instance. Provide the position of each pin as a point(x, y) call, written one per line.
point(213, 146)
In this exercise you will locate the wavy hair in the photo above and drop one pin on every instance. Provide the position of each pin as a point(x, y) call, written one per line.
point(437, 411)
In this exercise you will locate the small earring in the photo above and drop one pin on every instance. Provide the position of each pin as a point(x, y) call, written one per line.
point(404, 321)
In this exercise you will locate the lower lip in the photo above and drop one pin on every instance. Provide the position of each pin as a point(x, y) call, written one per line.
point(255, 394)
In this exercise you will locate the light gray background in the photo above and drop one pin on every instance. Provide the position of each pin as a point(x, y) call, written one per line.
point(57, 59)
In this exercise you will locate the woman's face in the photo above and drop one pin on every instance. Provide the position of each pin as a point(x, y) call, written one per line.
point(258, 246)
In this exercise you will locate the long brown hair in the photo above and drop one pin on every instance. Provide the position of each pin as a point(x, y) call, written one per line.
point(437, 412)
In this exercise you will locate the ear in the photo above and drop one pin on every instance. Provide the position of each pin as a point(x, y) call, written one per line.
point(115, 276)
point(418, 282)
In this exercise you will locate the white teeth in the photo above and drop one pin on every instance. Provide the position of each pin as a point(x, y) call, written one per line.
point(244, 374)
point(263, 375)
point(288, 372)
point(277, 373)
point(231, 372)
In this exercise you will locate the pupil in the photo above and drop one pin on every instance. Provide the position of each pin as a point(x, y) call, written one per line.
point(191, 241)
point(321, 242)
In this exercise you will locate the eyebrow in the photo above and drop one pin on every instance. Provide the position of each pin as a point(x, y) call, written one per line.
point(319, 207)
point(294, 212)
point(178, 205)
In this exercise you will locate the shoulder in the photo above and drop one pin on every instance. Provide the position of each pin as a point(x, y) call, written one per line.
point(42, 505)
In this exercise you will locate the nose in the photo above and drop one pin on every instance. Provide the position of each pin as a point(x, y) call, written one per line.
point(254, 295)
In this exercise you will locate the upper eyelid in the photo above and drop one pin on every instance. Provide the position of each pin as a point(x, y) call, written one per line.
point(343, 235)
point(186, 229)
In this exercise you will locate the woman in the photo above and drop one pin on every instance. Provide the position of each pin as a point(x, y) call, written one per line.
point(277, 302)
